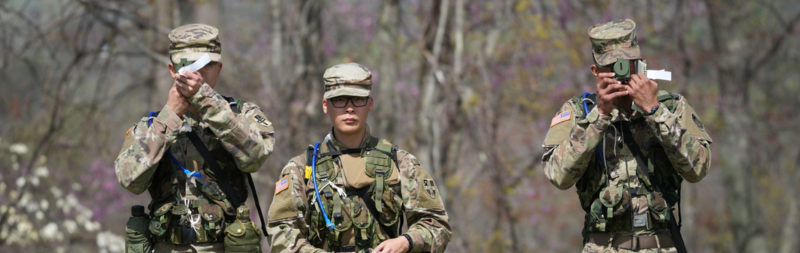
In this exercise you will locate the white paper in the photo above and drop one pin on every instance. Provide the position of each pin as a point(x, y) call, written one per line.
point(659, 75)
point(197, 65)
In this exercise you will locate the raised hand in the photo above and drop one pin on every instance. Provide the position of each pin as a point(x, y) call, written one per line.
point(607, 90)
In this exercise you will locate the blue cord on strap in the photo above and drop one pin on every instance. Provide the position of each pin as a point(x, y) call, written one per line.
point(187, 172)
point(586, 112)
point(328, 222)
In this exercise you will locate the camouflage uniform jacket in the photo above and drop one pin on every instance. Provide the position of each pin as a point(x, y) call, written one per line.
point(571, 143)
point(246, 136)
point(290, 225)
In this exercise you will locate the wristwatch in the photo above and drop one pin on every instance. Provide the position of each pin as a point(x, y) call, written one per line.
point(410, 242)
point(652, 110)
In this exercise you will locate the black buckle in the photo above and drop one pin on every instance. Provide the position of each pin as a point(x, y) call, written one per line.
point(634, 242)
point(348, 248)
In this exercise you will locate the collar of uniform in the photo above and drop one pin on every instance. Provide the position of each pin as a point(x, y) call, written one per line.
point(340, 146)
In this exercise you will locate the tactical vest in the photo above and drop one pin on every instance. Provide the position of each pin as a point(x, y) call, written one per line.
point(167, 209)
point(346, 209)
point(609, 209)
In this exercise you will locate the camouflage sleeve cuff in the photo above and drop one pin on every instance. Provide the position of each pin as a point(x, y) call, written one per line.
point(661, 122)
point(171, 121)
point(416, 239)
point(598, 120)
point(660, 116)
point(197, 98)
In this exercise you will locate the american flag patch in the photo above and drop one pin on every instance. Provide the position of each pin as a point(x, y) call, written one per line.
point(281, 185)
point(561, 117)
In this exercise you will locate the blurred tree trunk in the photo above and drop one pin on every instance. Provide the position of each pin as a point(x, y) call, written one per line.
point(389, 108)
point(430, 126)
point(308, 89)
point(277, 44)
point(737, 68)
point(207, 12)
point(158, 78)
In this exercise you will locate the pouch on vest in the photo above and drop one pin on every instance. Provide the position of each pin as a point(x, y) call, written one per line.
point(213, 216)
point(242, 235)
point(342, 217)
point(215, 193)
point(616, 200)
point(137, 235)
point(316, 223)
point(161, 220)
point(363, 223)
point(613, 202)
point(391, 207)
point(658, 207)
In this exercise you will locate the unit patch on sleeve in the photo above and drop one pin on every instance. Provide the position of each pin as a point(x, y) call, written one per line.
point(429, 187)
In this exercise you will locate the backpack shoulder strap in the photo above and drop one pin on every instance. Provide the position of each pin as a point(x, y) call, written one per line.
point(584, 104)
point(236, 104)
point(152, 114)
point(386, 147)
point(309, 154)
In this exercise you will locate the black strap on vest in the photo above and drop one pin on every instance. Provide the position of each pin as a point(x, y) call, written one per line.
point(362, 193)
point(212, 163)
point(675, 231)
point(236, 106)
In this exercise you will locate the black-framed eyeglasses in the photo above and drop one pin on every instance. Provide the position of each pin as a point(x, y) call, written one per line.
point(341, 102)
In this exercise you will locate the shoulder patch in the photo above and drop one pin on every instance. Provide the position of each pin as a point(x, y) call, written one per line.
point(561, 117)
point(281, 185)
point(559, 131)
point(129, 139)
point(431, 198)
point(690, 121)
point(263, 123)
point(287, 205)
point(430, 188)
point(697, 122)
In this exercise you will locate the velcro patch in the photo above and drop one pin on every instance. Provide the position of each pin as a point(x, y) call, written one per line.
point(281, 185)
point(561, 117)
point(263, 123)
point(430, 188)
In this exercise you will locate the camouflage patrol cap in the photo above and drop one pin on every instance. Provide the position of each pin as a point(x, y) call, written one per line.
point(193, 41)
point(347, 79)
point(612, 40)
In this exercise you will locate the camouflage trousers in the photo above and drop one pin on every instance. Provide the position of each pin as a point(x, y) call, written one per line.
point(594, 248)
point(206, 247)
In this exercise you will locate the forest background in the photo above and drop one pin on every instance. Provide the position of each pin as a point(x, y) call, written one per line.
point(468, 86)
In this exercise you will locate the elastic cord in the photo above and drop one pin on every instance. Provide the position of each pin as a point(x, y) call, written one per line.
point(586, 112)
point(185, 171)
point(328, 222)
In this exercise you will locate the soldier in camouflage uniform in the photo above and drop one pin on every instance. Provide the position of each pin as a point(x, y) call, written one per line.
point(625, 210)
point(191, 206)
point(365, 185)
